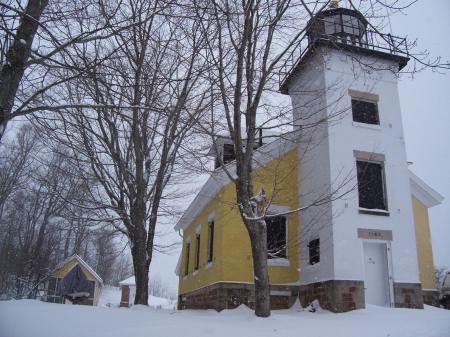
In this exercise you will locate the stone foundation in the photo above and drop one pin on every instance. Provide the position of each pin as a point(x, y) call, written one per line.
point(431, 297)
point(334, 295)
point(408, 295)
point(222, 295)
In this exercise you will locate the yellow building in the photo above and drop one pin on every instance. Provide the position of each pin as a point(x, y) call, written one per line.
point(349, 221)
point(73, 281)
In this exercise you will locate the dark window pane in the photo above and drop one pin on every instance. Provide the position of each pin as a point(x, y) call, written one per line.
point(276, 237)
point(314, 251)
point(228, 153)
point(365, 112)
point(197, 252)
point(210, 241)
point(370, 185)
point(186, 267)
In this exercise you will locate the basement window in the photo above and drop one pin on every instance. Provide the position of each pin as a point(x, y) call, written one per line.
point(371, 186)
point(197, 251)
point(365, 112)
point(276, 237)
point(186, 266)
point(314, 251)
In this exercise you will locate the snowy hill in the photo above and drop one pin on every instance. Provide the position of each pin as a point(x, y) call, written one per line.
point(28, 318)
point(110, 297)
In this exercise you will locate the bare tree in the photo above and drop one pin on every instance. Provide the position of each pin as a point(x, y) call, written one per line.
point(138, 108)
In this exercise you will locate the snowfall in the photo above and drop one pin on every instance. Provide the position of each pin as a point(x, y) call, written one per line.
point(32, 318)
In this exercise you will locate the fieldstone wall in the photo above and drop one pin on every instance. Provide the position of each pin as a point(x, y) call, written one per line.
point(334, 295)
point(408, 295)
point(223, 295)
point(431, 297)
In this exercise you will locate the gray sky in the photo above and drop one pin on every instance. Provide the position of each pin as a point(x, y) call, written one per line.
point(425, 103)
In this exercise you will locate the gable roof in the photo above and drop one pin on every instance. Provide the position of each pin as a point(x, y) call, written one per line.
point(83, 263)
point(219, 178)
point(131, 281)
point(423, 192)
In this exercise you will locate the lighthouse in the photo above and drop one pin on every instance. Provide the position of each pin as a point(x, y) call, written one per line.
point(358, 247)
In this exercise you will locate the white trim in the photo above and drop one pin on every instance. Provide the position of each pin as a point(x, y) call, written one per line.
point(281, 293)
point(208, 265)
point(178, 267)
point(195, 272)
point(198, 229)
point(218, 179)
point(278, 209)
point(423, 192)
point(211, 216)
point(279, 262)
point(376, 127)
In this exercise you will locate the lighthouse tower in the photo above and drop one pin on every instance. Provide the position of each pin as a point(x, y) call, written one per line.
point(357, 239)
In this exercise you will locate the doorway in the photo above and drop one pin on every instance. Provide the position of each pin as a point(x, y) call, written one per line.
point(376, 280)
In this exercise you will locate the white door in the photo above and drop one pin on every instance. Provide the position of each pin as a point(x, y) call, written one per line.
point(376, 281)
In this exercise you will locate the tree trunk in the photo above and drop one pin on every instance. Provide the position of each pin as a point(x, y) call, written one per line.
point(141, 267)
point(16, 58)
point(258, 239)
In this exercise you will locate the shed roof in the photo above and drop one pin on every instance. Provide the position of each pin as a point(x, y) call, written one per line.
point(131, 281)
point(83, 263)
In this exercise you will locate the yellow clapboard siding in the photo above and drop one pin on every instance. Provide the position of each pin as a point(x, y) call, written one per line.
point(423, 242)
point(232, 260)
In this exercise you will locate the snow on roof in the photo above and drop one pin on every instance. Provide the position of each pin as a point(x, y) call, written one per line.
point(83, 263)
point(426, 195)
point(219, 178)
point(131, 281)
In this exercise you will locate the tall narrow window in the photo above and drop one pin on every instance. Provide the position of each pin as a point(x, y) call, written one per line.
point(365, 112)
point(276, 237)
point(314, 251)
point(371, 187)
point(197, 251)
point(210, 241)
point(186, 266)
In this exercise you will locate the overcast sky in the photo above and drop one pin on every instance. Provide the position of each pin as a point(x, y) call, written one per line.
point(425, 103)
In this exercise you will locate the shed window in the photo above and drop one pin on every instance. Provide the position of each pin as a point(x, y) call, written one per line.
point(186, 266)
point(210, 241)
point(314, 251)
point(276, 237)
point(197, 251)
point(365, 112)
point(371, 187)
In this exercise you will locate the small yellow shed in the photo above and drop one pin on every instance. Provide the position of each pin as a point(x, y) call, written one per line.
point(73, 281)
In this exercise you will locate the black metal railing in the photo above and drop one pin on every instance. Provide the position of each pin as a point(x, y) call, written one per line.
point(370, 40)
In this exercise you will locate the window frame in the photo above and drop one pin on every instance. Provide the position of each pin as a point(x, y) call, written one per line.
point(374, 211)
point(285, 257)
point(197, 252)
point(186, 258)
point(377, 111)
point(317, 254)
point(210, 247)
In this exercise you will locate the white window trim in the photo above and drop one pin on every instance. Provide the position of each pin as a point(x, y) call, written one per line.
point(279, 262)
point(376, 127)
point(279, 210)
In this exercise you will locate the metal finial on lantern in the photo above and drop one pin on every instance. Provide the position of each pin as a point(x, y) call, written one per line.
point(334, 4)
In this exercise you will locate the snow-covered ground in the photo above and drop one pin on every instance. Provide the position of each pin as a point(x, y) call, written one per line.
point(29, 318)
point(110, 297)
